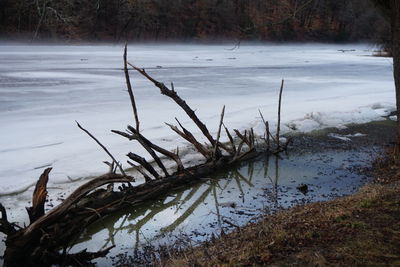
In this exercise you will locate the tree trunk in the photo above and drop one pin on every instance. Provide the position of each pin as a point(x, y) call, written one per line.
point(395, 23)
point(391, 11)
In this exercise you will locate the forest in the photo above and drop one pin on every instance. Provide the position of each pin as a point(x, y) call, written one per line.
point(192, 20)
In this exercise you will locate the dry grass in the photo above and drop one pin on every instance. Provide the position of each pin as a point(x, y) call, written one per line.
point(358, 230)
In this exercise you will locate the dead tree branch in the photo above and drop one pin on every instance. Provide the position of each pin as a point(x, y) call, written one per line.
point(252, 138)
point(103, 147)
point(139, 169)
point(39, 197)
point(145, 164)
point(219, 133)
point(243, 137)
point(146, 145)
point(188, 136)
point(230, 140)
point(182, 103)
point(135, 135)
point(129, 86)
point(267, 133)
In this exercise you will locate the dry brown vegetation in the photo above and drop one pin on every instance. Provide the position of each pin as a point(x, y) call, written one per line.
point(358, 230)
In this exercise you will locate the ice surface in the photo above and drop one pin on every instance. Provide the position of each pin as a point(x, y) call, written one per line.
point(44, 89)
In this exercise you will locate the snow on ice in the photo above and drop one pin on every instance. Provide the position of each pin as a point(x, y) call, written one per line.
point(44, 89)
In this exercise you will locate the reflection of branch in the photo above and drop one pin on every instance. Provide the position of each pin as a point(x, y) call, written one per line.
point(279, 118)
point(154, 212)
point(266, 166)
point(276, 171)
point(188, 197)
point(159, 207)
point(236, 177)
point(179, 200)
point(241, 177)
point(250, 169)
point(112, 232)
point(216, 205)
point(228, 181)
point(188, 212)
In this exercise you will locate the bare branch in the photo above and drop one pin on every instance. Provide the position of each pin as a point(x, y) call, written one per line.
point(129, 86)
point(145, 164)
point(251, 138)
point(217, 153)
point(243, 137)
point(103, 147)
point(139, 169)
point(267, 133)
point(146, 145)
point(230, 139)
point(174, 96)
point(188, 136)
point(239, 150)
point(159, 149)
point(136, 135)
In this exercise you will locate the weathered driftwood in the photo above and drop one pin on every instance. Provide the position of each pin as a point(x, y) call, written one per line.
point(47, 234)
point(39, 197)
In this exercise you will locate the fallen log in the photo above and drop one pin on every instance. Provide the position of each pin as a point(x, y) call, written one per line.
point(48, 234)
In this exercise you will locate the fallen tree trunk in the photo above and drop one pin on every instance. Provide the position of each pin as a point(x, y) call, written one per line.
point(48, 234)
point(40, 241)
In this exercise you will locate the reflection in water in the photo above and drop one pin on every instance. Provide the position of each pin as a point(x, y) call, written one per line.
point(230, 198)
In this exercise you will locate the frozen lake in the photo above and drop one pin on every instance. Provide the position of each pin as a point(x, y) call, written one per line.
point(44, 89)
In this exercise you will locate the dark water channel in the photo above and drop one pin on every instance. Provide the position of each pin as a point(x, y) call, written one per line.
point(330, 167)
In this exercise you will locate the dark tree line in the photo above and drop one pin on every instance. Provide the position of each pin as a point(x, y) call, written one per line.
point(113, 20)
